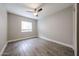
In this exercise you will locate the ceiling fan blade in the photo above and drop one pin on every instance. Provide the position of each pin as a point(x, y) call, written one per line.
point(39, 9)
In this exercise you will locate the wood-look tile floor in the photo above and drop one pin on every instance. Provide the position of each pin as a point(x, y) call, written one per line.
point(36, 47)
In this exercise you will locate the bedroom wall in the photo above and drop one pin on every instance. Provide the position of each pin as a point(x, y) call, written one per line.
point(3, 27)
point(14, 27)
point(58, 27)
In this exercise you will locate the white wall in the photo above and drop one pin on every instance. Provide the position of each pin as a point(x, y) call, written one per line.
point(14, 27)
point(58, 26)
point(3, 27)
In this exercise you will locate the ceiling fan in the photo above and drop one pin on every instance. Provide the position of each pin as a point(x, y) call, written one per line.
point(35, 11)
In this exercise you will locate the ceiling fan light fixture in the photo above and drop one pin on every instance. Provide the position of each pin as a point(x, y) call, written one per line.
point(35, 13)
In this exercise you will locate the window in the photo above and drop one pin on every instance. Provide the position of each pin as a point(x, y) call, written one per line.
point(26, 26)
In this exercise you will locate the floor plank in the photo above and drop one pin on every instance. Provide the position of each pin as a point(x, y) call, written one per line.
point(36, 47)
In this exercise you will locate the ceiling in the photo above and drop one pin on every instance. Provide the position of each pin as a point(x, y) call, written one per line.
point(48, 8)
point(33, 5)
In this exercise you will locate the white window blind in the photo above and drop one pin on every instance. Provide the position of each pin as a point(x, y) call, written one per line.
point(26, 26)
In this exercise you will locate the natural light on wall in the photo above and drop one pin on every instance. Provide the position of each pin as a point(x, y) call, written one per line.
point(26, 26)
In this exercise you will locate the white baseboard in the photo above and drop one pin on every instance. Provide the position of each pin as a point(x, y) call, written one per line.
point(13, 40)
point(1, 52)
point(57, 42)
